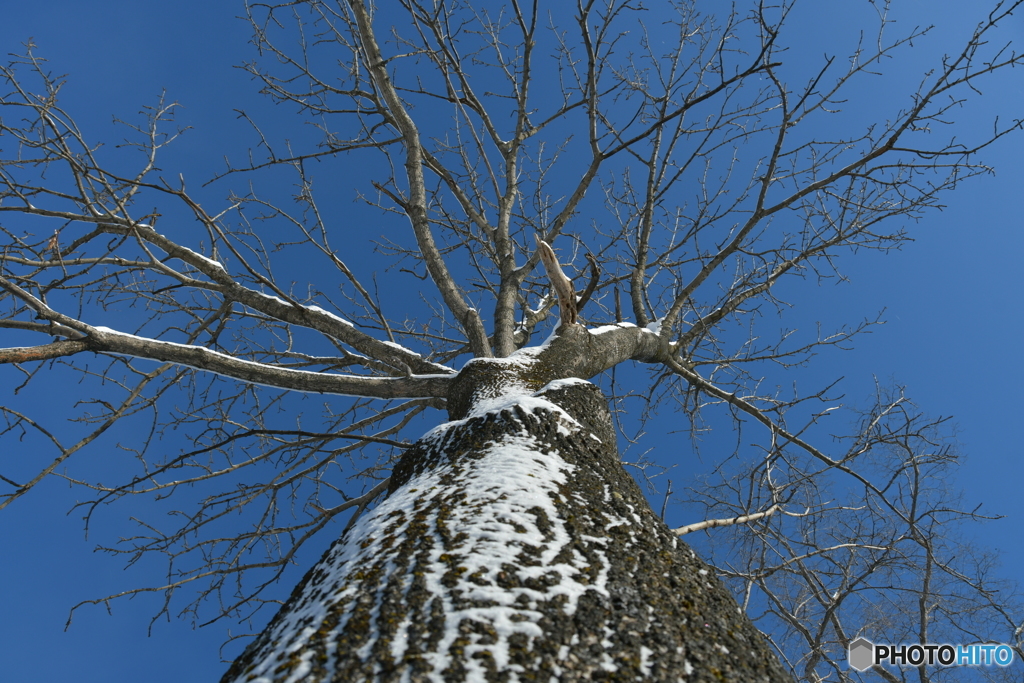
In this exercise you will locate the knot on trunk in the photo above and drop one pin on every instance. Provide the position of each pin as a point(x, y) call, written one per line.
point(485, 383)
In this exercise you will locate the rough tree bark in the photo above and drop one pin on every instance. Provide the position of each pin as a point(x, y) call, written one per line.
point(512, 546)
point(700, 162)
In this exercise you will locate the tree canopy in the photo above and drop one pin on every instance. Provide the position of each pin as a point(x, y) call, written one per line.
point(678, 166)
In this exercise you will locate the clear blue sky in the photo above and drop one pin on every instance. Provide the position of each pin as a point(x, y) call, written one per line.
point(952, 303)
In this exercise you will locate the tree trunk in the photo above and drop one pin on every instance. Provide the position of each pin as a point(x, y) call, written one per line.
point(512, 547)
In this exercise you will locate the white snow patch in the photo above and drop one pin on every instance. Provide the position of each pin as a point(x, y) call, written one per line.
point(645, 660)
point(515, 394)
point(560, 383)
point(604, 329)
point(606, 662)
point(494, 522)
point(401, 348)
point(208, 261)
point(274, 298)
point(550, 338)
point(335, 318)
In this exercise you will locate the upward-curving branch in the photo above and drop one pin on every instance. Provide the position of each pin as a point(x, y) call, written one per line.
point(689, 162)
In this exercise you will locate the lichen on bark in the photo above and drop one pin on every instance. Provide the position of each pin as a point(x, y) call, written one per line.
point(512, 547)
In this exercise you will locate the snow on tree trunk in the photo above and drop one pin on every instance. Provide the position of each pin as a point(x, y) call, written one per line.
point(512, 547)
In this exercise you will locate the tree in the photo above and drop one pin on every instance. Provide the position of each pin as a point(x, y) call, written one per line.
point(461, 123)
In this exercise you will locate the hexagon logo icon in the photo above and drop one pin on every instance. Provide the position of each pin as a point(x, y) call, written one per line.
point(861, 654)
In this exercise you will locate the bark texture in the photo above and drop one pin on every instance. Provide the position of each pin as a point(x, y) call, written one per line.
point(512, 547)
